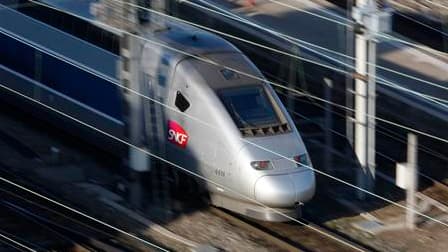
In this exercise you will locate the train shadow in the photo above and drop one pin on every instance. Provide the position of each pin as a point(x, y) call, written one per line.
point(87, 178)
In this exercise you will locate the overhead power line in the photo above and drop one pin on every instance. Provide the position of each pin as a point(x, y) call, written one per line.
point(379, 79)
point(437, 4)
point(60, 214)
point(115, 82)
point(318, 15)
point(381, 130)
point(289, 38)
point(417, 21)
point(430, 50)
point(205, 123)
point(193, 174)
point(65, 206)
point(15, 244)
point(215, 128)
point(154, 156)
point(421, 47)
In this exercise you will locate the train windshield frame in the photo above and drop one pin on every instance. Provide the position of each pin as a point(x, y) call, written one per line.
point(250, 106)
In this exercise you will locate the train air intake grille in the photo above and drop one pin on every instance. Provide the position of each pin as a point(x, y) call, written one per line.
point(265, 131)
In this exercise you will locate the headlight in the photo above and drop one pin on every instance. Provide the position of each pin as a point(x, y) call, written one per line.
point(261, 165)
point(302, 160)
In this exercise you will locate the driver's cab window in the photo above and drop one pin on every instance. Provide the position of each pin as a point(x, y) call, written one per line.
point(250, 106)
point(181, 102)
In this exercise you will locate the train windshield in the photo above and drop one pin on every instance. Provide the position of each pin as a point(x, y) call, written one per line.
point(249, 106)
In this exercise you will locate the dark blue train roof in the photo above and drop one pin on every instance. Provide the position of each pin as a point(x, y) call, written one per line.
point(48, 38)
point(192, 40)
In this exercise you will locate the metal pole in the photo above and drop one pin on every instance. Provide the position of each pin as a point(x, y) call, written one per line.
point(130, 52)
point(361, 106)
point(131, 77)
point(349, 129)
point(365, 96)
point(328, 124)
point(292, 79)
point(371, 110)
point(412, 181)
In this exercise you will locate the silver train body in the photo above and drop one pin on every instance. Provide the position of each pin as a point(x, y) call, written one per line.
point(237, 132)
point(228, 128)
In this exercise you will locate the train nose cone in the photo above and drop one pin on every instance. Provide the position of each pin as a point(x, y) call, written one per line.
point(304, 185)
point(285, 190)
point(275, 191)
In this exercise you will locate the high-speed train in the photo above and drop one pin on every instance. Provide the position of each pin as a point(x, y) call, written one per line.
point(228, 127)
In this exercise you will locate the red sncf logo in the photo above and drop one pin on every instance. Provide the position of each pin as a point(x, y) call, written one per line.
point(176, 134)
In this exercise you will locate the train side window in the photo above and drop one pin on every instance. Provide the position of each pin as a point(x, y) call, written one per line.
point(181, 102)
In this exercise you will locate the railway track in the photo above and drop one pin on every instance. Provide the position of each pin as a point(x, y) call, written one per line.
point(307, 236)
point(33, 223)
point(78, 233)
point(31, 233)
point(65, 230)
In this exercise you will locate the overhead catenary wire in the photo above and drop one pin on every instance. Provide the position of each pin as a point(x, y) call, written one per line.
point(341, 135)
point(383, 132)
point(389, 83)
point(317, 15)
point(433, 99)
point(417, 21)
point(424, 48)
point(154, 156)
point(216, 128)
point(421, 146)
point(17, 245)
point(70, 117)
point(381, 80)
point(68, 207)
point(412, 44)
point(328, 12)
point(115, 82)
point(31, 219)
point(84, 68)
point(198, 175)
point(437, 4)
point(97, 220)
point(380, 130)
point(436, 100)
point(383, 35)
point(334, 104)
point(58, 213)
point(289, 38)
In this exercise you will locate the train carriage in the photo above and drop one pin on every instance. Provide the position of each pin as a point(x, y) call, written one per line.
point(222, 124)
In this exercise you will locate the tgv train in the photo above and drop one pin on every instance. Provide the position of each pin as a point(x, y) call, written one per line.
point(221, 124)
